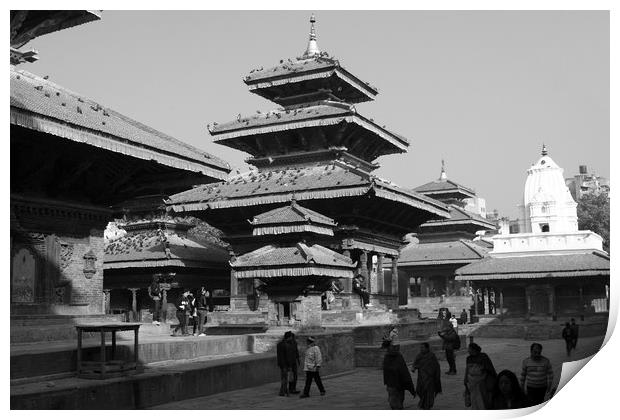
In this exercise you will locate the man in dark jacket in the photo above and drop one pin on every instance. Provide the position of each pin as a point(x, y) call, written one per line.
point(292, 357)
point(396, 376)
point(283, 363)
point(183, 307)
point(202, 307)
point(574, 332)
point(449, 336)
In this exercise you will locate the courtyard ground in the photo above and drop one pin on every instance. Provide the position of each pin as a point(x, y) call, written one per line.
point(363, 389)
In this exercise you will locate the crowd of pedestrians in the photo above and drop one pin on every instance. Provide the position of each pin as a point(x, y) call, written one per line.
point(485, 389)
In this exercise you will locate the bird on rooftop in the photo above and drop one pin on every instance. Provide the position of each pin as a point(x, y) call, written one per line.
point(45, 77)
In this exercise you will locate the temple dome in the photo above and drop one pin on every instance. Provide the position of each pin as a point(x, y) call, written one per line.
point(547, 203)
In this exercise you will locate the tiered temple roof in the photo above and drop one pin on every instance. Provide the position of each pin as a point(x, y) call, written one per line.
point(301, 260)
point(292, 219)
point(161, 243)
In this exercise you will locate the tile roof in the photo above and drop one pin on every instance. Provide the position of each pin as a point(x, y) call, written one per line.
point(443, 187)
point(452, 252)
point(148, 249)
point(300, 254)
point(324, 113)
point(459, 216)
point(317, 181)
point(292, 219)
point(42, 105)
point(538, 266)
point(293, 213)
point(304, 68)
point(298, 260)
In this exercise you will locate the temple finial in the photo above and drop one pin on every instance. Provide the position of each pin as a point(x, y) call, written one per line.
point(544, 150)
point(313, 48)
point(443, 175)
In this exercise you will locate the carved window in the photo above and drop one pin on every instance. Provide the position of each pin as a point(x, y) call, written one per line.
point(23, 278)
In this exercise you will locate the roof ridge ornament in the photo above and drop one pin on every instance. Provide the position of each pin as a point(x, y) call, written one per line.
point(544, 150)
point(443, 176)
point(313, 49)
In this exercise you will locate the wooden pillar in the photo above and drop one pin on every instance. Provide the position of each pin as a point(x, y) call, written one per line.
point(551, 292)
point(476, 302)
point(381, 286)
point(347, 283)
point(501, 303)
point(52, 269)
point(394, 276)
point(528, 302)
point(134, 303)
point(363, 267)
point(106, 301)
point(164, 305)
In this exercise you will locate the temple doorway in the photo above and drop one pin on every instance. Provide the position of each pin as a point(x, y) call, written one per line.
point(539, 302)
point(285, 313)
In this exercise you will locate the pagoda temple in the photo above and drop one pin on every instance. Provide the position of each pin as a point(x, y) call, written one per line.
point(441, 247)
point(318, 150)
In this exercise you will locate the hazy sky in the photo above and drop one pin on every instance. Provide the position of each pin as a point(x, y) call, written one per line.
point(482, 90)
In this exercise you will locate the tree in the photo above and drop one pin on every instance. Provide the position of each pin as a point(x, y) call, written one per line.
point(593, 214)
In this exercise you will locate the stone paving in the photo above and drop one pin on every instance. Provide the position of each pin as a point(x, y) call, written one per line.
point(362, 389)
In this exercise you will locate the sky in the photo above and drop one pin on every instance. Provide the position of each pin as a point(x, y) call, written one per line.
point(482, 90)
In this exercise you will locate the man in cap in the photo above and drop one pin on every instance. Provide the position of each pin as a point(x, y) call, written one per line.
point(312, 364)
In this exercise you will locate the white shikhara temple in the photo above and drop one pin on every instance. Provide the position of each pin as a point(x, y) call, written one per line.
point(550, 267)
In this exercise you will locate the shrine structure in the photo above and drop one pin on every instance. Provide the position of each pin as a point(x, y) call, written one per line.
point(319, 151)
point(551, 268)
point(440, 247)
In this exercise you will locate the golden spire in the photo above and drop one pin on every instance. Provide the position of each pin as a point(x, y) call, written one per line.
point(313, 48)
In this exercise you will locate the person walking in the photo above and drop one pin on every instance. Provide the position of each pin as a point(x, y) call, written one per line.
point(574, 332)
point(536, 375)
point(508, 394)
point(292, 356)
point(192, 313)
point(396, 377)
point(312, 364)
point(182, 305)
point(429, 377)
point(463, 317)
point(480, 377)
point(451, 342)
point(283, 363)
point(567, 335)
point(202, 308)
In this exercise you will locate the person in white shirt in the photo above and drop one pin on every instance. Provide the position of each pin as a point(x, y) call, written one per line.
point(312, 364)
point(454, 322)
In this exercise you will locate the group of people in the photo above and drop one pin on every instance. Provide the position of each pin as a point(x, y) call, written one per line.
point(570, 334)
point(192, 309)
point(485, 389)
point(397, 379)
point(288, 362)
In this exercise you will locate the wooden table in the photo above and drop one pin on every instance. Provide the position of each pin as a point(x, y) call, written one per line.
point(106, 368)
